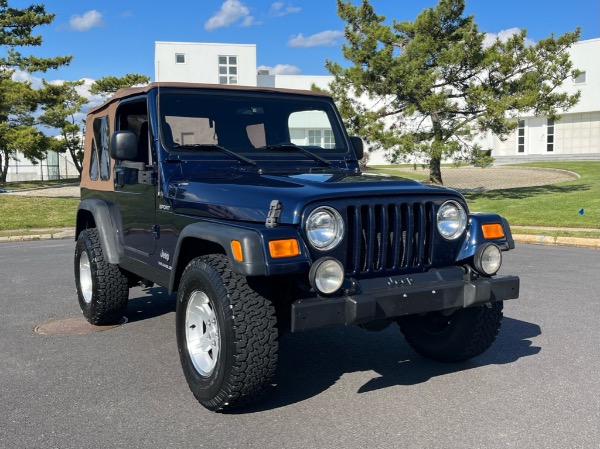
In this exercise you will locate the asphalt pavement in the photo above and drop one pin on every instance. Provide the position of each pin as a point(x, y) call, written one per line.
point(340, 387)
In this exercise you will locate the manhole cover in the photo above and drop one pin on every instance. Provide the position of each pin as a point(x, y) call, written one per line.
point(72, 326)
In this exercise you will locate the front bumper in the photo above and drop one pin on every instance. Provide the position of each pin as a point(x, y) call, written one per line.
point(390, 297)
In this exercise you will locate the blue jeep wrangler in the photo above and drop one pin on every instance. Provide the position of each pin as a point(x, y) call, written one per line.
point(250, 204)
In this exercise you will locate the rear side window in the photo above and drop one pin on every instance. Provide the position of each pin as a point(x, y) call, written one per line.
point(100, 150)
point(94, 162)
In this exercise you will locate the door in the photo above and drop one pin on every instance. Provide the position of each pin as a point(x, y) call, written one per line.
point(136, 186)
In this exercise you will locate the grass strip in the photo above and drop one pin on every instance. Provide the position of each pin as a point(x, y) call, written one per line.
point(23, 185)
point(29, 212)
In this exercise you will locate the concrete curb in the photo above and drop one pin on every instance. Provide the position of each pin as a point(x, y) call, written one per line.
point(519, 238)
point(62, 234)
point(557, 241)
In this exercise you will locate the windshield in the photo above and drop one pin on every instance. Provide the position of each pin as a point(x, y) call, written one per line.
point(250, 124)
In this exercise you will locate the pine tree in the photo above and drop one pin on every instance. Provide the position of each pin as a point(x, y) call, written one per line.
point(110, 84)
point(17, 99)
point(427, 88)
point(61, 104)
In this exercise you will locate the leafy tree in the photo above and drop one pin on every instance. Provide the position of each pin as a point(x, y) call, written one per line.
point(61, 107)
point(429, 87)
point(110, 84)
point(17, 131)
point(17, 99)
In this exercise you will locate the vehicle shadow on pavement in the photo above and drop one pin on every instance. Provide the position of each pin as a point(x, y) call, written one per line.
point(311, 362)
point(147, 303)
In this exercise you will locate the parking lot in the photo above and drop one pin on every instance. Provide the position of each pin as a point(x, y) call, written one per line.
point(537, 387)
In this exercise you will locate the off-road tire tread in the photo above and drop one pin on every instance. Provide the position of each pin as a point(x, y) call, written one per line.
point(487, 323)
point(111, 286)
point(255, 339)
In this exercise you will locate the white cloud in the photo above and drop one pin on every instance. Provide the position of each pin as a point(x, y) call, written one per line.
point(278, 9)
point(21, 76)
point(327, 38)
point(504, 35)
point(249, 21)
point(87, 21)
point(281, 69)
point(231, 11)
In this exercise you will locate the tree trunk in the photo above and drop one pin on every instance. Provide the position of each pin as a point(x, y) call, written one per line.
point(3, 166)
point(437, 149)
point(435, 171)
point(75, 160)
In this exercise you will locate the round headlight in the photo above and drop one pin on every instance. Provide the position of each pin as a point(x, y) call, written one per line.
point(326, 275)
point(324, 228)
point(488, 259)
point(451, 220)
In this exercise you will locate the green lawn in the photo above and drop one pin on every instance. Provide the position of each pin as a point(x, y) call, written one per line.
point(27, 212)
point(36, 184)
point(556, 205)
point(392, 170)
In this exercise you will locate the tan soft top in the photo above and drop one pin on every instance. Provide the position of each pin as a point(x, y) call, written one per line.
point(132, 91)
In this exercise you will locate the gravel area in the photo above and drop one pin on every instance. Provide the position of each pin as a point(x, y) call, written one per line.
point(498, 178)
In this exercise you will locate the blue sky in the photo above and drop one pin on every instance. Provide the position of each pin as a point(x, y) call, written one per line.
point(297, 36)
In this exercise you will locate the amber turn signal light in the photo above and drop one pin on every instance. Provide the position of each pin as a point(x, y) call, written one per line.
point(492, 231)
point(283, 248)
point(236, 248)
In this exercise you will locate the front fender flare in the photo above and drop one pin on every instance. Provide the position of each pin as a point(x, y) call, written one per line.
point(257, 260)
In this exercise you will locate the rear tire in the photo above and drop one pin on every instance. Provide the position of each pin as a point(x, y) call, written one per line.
point(102, 289)
point(462, 335)
point(226, 335)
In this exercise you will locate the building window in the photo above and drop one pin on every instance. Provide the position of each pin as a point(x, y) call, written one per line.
point(580, 79)
point(180, 58)
point(321, 138)
point(328, 140)
point(550, 135)
point(521, 137)
point(228, 70)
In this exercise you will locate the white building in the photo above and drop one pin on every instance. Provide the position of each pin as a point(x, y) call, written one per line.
point(55, 166)
point(576, 135)
point(194, 62)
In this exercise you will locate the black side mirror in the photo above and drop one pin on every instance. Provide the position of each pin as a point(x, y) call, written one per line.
point(123, 145)
point(357, 144)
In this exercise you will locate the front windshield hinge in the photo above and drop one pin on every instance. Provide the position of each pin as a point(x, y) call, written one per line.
point(274, 213)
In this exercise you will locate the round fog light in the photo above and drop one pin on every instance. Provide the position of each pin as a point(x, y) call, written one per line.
point(326, 275)
point(488, 259)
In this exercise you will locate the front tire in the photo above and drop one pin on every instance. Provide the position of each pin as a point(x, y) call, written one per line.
point(226, 335)
point(460, 336)
point(102, 289)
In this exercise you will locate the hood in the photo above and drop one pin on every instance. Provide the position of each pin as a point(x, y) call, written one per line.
point(247, 195)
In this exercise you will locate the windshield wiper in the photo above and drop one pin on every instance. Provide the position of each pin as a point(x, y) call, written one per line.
point(292, 146)
point(212, 146)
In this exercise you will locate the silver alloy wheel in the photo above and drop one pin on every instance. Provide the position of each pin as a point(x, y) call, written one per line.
point(85, 277)
point(202, 333)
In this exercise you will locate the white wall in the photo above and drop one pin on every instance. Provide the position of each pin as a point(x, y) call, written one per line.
point(577, 132)
point(585, 56)
point(55, 166)
point(300, 82)
point(202, 62)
